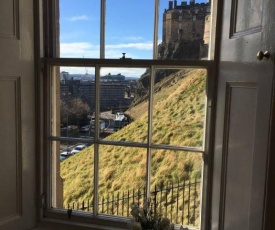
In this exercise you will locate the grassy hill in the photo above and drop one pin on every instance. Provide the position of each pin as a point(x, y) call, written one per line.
point(177, 119)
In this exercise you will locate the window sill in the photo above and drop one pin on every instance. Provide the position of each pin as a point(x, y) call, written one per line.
point(54, 224)
point(51, 224)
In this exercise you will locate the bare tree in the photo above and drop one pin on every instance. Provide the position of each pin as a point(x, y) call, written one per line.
point(74, 112)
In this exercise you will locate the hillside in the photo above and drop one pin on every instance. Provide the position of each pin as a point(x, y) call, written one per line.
point(178, 119)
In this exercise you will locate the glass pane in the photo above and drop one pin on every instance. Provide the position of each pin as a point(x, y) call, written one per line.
point(176, 185)
point(251, 14)
point(124, 104)
point(179, 107)
point(122, 178)
point(72, 175)
point(79, 28)
point(184, 29)
point(129, 29)
point(73, 102)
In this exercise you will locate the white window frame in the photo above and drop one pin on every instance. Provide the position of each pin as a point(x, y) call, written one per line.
point(49, 59)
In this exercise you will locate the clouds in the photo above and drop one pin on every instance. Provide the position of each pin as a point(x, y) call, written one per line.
point(77, 49)
point(141, 46)
point(128, 72)
point(87, 49)
point(128, 38)
point(135, 50)
point(78, 18)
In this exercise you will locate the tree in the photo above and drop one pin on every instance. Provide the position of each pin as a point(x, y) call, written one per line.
point(74, 112)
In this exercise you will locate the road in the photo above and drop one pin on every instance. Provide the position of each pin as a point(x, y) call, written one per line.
point(107, 116)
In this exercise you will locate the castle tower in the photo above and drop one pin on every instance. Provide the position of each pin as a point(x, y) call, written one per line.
point(170, 5)
point(184, 22)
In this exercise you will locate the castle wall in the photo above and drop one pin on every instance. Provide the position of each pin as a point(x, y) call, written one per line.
point(206, 37)
point(184, 22)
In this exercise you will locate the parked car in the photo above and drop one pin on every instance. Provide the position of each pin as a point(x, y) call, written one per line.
point(85, 128)
point(78, 148)
point(65, 154)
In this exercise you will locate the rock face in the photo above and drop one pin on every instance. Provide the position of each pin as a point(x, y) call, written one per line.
point(180, 50)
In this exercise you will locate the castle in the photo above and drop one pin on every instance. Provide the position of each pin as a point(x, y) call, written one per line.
point(188, 24)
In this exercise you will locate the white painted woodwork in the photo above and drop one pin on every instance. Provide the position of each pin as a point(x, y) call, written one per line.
point(243, 116)
point(17, 116)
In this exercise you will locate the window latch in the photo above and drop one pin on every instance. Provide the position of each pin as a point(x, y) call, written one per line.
point(124, 57)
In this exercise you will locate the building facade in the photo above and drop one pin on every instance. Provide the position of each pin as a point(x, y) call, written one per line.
point(114, 92)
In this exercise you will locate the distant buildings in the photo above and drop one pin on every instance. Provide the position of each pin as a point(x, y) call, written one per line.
point(110, 77)
point(115, 91)
point(64, 76)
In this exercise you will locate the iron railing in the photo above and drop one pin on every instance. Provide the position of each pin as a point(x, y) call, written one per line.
point(180, 202)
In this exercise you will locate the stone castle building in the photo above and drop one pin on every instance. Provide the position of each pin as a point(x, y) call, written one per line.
point(187, 23)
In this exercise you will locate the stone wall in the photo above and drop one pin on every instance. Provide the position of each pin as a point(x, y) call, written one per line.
point(185, 24)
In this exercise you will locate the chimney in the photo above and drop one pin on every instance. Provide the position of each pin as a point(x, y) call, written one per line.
point(170, 5)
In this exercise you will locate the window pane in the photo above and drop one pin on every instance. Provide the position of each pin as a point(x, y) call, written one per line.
point(74, 102)
point(129, 29)
point(176, 185)
point(72, 175)
point(122, 178)
point(179, 107)
point(79, 28)
point(184, 28)
point(124, 104)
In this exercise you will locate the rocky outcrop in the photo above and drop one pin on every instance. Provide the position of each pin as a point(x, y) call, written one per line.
point(173, 51)
point(180, 50)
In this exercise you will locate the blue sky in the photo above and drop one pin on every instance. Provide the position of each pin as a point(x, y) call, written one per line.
point(129, 28)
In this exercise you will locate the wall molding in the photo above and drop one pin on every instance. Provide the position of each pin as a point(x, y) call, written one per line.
point(234, 21)
point(15, 85)
point(15, 30)
point(226, 136)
